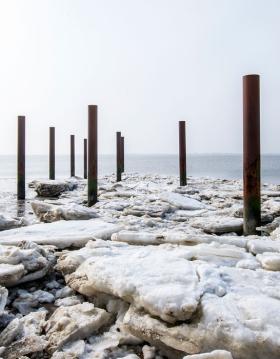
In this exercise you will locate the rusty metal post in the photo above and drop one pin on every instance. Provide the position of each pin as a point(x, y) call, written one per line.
point(119, 157)
point(122, 152)
point(72, 155)
point(85, 158)
point(21, 158)
point(182, 153)
point(52, 154)
point(92, 155)
point(251, 154)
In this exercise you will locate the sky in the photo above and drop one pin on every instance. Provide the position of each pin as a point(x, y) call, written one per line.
point(147, 64)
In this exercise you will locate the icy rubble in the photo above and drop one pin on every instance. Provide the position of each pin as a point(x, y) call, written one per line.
point(163, 265)
point(72, 323)
point(3, 298)
point(24, 263)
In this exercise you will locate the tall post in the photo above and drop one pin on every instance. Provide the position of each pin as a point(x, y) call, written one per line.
point(182, 153)
point(21, 158)
point(92, 155)
point(122, 152)
point(52, 154)
point(119, 157)
point(251, 154)
point(85, 158)
point(72, 155)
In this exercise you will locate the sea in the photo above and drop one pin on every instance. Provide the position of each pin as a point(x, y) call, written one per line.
point(228, 166)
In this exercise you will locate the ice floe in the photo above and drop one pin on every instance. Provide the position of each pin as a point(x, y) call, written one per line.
point(54, 188)
point(50, 213)
point(62, 234)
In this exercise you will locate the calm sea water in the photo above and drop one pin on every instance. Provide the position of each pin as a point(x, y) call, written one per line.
point(216, 166)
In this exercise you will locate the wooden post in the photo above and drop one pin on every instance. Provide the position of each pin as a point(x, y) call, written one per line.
point(85, 158)
point(119, 157)
point(122, 150)
point(72, 155)
point(251, 154)
point(92, 154)
point(182, 153)
point(52, 154)
point(21, 158)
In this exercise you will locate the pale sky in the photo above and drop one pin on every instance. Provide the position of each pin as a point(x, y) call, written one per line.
point(146, 63)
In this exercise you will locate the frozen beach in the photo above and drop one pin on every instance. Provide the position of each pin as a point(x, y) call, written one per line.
point(153, 270)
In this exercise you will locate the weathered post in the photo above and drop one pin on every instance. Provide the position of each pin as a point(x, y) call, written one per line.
point(72, 155)
point(119, 157)
point(182, 153)
point(122, 152)
point(85, 158)
point(251, 154)
point(52, 154)
point(92, 155)
point(21, 158)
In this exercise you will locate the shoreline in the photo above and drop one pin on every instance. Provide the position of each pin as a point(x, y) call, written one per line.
point(150, 263)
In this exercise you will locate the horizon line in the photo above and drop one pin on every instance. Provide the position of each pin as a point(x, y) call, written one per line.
point(151, 154)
